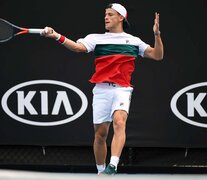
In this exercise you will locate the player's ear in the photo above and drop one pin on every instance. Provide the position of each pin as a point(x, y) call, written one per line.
point(121, 18)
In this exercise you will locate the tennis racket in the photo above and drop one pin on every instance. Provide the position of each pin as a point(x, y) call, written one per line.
point(9, 30)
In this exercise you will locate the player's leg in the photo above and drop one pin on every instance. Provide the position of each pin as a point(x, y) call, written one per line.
point(120, 109)
point(121, 104)
point(100, 146)
point(118, 141)
point(102, 101)
point(119, 137)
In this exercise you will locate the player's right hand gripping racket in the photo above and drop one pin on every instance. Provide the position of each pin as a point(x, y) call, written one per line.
point(9, 30)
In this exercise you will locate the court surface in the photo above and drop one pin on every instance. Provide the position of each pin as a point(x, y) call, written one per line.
point(34, 175)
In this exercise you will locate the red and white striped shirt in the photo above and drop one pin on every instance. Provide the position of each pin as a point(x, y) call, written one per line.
point(115, 55)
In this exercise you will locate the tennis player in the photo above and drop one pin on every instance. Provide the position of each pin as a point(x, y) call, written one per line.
point(115, 53)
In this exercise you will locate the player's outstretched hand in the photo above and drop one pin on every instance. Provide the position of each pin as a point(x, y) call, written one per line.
point(156, 27)
point(50, 32)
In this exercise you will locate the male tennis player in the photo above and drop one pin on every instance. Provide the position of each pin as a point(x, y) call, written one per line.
point(115, 53)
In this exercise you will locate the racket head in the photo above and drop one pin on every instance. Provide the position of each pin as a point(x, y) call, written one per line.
point(7, 30)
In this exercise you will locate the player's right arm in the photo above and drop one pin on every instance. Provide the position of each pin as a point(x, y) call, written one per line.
point(68, 43)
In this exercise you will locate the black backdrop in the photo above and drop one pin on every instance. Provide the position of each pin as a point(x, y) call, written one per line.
point(152, 122)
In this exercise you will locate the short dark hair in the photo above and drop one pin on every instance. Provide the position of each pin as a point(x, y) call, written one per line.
point(126, 24)
point(109, 6)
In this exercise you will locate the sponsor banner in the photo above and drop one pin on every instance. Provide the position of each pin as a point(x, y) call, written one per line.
point(24, 99)
point(195, 111)
point(33, 108)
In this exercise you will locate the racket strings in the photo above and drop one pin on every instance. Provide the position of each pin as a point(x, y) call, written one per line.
point(6, 31)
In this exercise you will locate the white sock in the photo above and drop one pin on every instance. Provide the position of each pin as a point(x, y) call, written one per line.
point(114, 161)
point(100, 167)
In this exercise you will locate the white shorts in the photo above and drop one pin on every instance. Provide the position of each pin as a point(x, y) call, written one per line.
point(108, 98)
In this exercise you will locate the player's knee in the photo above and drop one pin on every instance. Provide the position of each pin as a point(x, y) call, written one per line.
point(119, 119)
point(100, 137)
point(119, 124)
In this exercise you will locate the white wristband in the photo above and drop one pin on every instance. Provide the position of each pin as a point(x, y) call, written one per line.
point(157, 33)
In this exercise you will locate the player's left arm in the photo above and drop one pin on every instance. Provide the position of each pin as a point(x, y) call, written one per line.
point(156, 52)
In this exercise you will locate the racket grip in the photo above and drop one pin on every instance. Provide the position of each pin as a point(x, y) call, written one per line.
point(36, 31)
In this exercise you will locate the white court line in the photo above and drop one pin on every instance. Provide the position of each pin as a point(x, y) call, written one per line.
point(34, 175)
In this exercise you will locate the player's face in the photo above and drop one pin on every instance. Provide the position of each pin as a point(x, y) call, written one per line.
point(112, 19)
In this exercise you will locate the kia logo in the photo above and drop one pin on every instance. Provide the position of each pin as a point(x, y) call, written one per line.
point(196, 104)
point(44, 103)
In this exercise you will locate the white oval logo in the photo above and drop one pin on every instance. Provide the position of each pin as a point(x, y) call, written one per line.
point(193, 104)
point(61, 100)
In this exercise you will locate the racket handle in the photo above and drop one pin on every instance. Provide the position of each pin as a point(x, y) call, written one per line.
point(36, 31)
